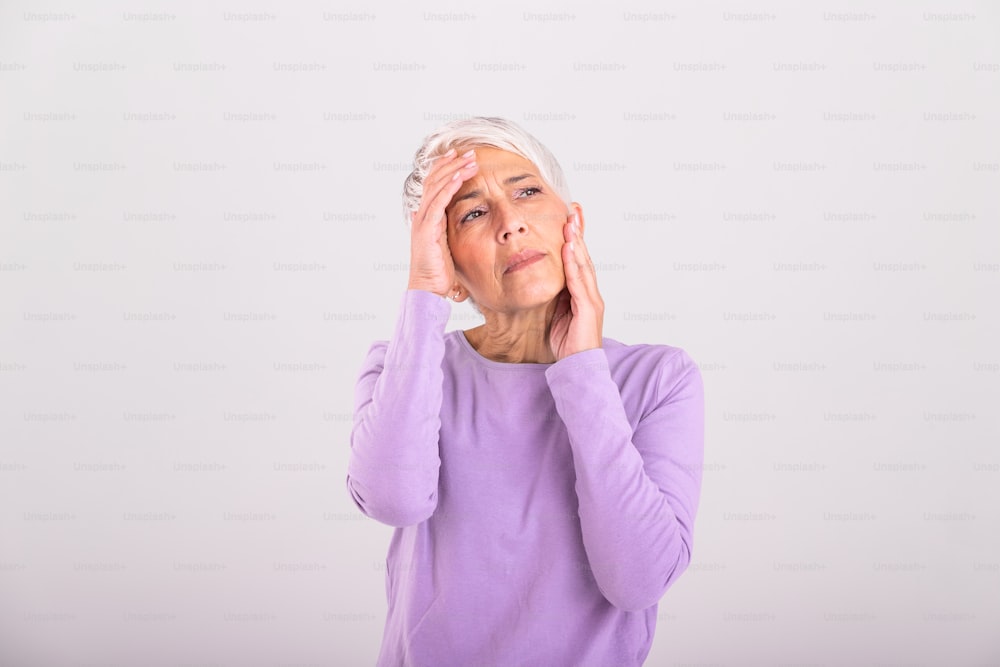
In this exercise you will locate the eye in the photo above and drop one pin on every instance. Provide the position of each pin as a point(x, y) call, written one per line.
point(468, 216)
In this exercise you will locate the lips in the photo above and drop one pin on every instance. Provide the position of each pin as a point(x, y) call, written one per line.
point(523, 256)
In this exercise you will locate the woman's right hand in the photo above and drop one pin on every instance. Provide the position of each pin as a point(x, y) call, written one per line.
point(431, 265)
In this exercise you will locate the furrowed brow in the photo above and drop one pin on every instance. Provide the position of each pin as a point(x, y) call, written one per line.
point(471, 194)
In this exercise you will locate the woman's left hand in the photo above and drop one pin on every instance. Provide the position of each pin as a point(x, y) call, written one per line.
point(578, 322)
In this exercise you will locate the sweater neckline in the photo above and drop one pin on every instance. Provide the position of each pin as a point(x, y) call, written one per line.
point(490, 363)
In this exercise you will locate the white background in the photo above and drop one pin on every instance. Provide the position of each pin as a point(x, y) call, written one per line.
point(201, 234)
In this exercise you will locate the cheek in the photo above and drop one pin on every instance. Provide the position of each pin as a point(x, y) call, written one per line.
point(556, 221)
point(470, 256)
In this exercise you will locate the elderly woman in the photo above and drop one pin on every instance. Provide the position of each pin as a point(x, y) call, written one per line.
point(542, 479)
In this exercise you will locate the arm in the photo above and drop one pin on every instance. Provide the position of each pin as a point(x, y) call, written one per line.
point(638, 492)
point(392, 470)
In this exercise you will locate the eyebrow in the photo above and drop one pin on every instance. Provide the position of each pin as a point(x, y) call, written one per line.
point(476, 193)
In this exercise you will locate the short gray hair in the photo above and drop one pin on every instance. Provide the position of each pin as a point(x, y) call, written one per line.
point(486, 131)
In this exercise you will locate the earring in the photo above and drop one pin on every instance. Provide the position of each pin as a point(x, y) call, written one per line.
point(457, 293)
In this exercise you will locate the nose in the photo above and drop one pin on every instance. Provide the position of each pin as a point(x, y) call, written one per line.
point(510, 222)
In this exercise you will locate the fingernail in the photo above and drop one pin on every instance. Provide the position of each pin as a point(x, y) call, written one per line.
point(451, 151)
point(470, 153)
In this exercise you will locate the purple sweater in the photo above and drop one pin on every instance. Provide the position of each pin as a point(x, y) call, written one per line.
point(541, 510)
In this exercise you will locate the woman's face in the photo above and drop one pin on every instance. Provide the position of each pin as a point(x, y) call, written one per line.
point(503, 209)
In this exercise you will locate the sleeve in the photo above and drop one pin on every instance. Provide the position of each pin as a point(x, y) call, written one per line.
point(392, 469)
point(638, 492)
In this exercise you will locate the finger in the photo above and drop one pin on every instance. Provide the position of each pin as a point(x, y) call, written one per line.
point(571, 267)
point(438, 162)
point(442, 197)
point(583, 253)
point(442, 179)
point(448, 182)
point(441, 172)
point(447, 155)
point(582, 274)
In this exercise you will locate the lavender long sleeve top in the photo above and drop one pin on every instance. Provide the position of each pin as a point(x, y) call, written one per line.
point(541, 510)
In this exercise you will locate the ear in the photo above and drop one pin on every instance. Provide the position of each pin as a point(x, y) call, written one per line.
point(575, 207)
point(461, 297)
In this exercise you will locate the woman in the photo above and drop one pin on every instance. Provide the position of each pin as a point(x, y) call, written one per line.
point(543, 480)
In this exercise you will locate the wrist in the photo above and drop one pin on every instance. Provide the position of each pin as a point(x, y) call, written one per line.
point(424, 288)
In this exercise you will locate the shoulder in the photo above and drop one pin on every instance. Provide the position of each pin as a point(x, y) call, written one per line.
point(666, 367)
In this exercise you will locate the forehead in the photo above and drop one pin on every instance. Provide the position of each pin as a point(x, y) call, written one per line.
point(508, 168)
point(490, 158)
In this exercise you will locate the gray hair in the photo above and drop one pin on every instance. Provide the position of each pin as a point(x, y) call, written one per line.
point(487, 131)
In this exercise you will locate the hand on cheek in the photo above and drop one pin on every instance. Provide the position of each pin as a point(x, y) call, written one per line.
point(578, 322)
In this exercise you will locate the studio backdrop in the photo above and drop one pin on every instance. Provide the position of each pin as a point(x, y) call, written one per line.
point(201, 234)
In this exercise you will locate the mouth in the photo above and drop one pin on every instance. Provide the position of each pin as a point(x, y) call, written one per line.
point(523, 259)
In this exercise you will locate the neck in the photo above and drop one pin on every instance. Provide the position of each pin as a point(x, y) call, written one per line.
point(521, 337)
